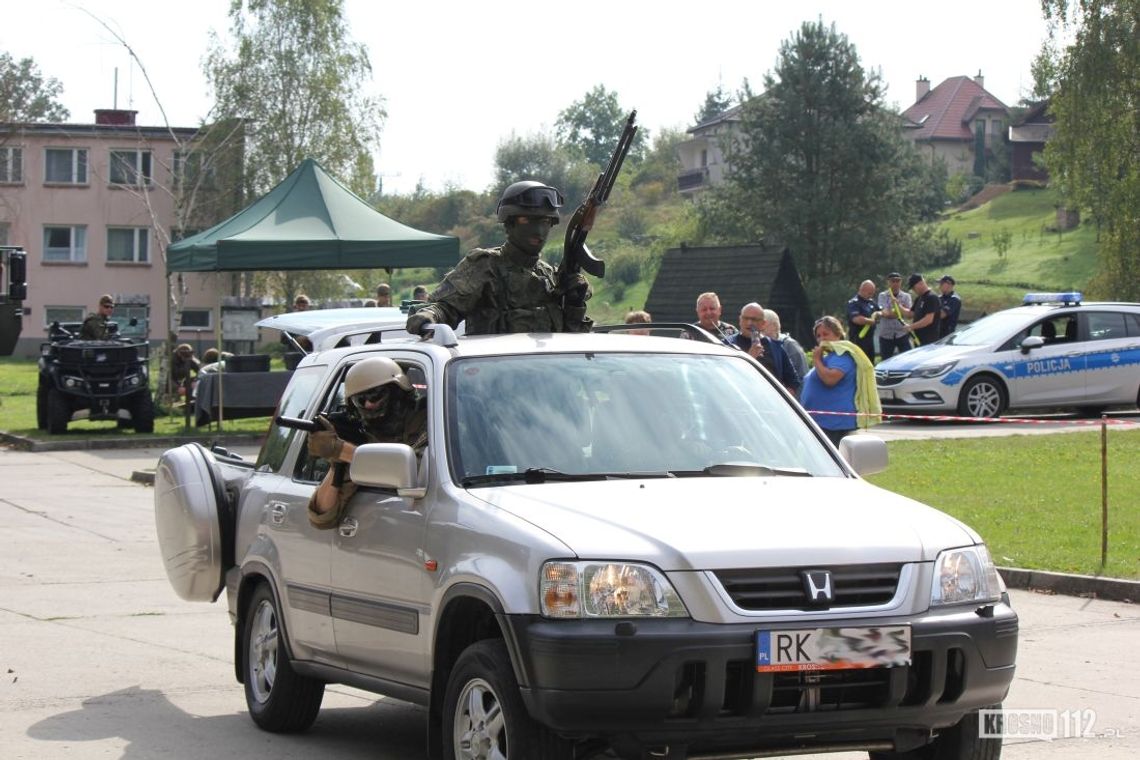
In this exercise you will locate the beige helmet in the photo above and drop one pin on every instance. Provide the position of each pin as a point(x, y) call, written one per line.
point(373, 374)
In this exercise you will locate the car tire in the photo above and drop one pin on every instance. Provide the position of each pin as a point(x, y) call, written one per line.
point(484, 715)
point(961, 741)
point(58, 412)
point(983, 396)
point(142, 415)
point(42, 406)
point(279, 700)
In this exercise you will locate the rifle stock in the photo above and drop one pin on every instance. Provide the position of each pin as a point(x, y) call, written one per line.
point(576, 255)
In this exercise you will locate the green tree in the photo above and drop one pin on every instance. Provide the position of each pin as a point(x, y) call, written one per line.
point(820, 165)
point(1093, 155)
point(716, 102)
point(302, 86)
point(592, 126)
point(26, 95)
point(538, 156)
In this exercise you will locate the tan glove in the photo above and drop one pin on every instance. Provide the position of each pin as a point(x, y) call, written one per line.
point(325, 444)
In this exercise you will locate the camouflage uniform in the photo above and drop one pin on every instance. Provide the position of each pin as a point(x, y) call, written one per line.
point(409, 428)
point(94, 328)
point(497, 291)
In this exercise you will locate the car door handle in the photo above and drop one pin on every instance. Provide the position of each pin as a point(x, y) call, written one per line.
point(348, 527)
point(277, 512)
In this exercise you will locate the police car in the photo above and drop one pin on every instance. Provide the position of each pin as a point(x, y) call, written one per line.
point(1053, 351)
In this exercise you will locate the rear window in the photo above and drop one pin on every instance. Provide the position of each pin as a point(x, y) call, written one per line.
point(1106, 325)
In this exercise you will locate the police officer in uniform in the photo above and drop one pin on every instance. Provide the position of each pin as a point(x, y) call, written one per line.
point(951, 306)
point(383, 408)
point(510, 289)
point(95, 326)
point(862, 314)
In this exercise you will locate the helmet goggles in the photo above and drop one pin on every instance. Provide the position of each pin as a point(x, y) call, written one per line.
point(536, 197)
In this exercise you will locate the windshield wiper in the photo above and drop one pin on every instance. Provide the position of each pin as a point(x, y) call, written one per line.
point(529, 476)
point(732, 470)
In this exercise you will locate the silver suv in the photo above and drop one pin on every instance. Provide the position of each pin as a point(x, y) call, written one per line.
point(618, 544)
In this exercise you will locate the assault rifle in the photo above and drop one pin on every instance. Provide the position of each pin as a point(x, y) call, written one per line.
point(576, 256)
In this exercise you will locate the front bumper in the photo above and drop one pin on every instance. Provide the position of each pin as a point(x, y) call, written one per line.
point(917, 393)
point(680, 682)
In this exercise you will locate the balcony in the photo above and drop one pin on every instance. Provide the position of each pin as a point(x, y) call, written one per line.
point(692, 180)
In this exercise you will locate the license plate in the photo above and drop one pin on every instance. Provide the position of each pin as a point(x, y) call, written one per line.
point(886, 395)
point(832, 649)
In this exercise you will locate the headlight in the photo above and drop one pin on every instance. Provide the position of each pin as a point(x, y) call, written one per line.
point(965, 576)
point(606, 590)
point(941, 369)
point(73, 382)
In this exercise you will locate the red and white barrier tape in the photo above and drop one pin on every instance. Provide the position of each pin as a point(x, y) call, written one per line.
point(954, 418)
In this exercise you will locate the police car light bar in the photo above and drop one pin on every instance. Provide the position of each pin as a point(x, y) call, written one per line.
point(1071, 297)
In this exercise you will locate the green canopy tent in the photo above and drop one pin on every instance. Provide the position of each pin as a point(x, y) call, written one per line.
point(310, 221)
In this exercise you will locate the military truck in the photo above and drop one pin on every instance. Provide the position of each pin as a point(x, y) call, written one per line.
point(93, 380)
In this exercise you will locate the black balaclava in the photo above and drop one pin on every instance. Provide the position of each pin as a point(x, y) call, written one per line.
point(522, 236)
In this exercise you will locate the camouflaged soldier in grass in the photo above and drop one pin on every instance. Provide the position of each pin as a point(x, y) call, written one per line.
point(509, 289)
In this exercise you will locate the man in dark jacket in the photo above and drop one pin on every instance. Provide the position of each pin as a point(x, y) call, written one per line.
point(95, 326)
point(752, 340)
point(951, 305)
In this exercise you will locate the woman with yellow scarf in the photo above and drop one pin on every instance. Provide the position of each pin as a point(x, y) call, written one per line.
point(839, 390)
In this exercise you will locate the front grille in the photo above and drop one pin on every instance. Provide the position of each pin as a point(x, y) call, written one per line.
point(890, 377)
point(99, 354)
point(783, 588)
point(747, 692)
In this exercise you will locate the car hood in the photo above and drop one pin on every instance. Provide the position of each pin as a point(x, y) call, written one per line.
point(715, 523)
point(927, 356)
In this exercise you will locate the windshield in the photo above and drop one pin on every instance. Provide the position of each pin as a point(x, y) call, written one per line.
point(987, 331)
point(619, 415)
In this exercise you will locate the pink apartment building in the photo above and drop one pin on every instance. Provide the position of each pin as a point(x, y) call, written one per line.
point(90, 203)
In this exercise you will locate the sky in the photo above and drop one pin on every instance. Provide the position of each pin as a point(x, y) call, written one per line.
point(459, 77)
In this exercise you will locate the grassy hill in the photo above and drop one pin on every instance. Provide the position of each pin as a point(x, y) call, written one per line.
point(1038, 257)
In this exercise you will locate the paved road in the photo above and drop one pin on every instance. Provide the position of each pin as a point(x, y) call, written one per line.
point(99, 658)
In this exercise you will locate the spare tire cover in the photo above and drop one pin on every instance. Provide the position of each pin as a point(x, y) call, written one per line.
point(188, 510)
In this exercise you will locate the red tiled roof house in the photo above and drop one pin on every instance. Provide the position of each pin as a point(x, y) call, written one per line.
point(949, 121)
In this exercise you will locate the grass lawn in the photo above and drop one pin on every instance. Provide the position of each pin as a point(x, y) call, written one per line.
point(18, 379)
point(1035, 499)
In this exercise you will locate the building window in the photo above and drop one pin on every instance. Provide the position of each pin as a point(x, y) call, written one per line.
point(128, 245)
point(130, 167)
point(197, 319)
point(66, 166)
point(65, 244)
point(12, 165)
point(3, 233)
point(62, 314)
point(191, 170)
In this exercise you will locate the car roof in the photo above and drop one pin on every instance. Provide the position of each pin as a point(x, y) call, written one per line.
point(309, 322)
point(522, 344)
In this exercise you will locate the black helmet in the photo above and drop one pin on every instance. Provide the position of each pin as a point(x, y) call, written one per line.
point(529, 198)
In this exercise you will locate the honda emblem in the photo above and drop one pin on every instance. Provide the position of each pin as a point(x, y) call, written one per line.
point(817, 586)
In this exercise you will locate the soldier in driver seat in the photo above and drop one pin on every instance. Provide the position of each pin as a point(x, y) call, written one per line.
point(382, 408)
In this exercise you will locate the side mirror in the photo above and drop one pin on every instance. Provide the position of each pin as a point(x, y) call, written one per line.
point(1033, 341)
point(867, 454)
point(387, 465)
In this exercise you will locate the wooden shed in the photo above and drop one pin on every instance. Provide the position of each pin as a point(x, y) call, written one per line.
point(764, 273)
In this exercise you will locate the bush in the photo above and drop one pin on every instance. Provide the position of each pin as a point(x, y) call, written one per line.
point(625, 267)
